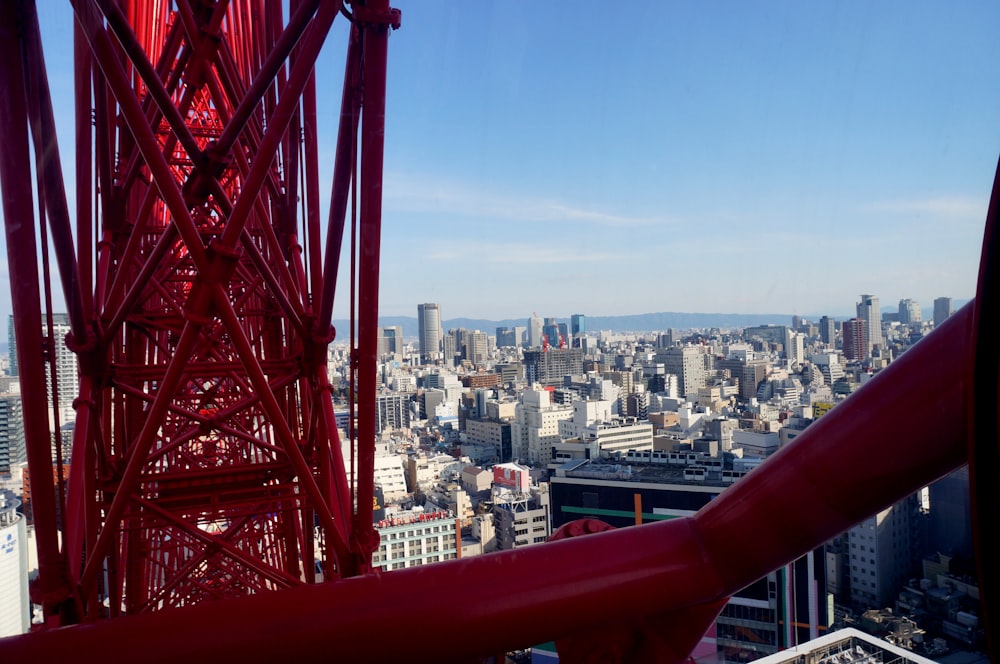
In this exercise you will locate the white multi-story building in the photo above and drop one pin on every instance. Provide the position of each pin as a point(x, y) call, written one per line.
point(795, 347)
point(536, 426)
point(416, 537)
point(390, 470)
point(596, 428)
point(830, 366)
point(522, 519)
point(393, 411)
point(424, 472)
point(401, 382)
point(870, 312)
point(445, 414)
point(446, 382)
point(390, 475)
point(477, 347)
point(67, 367)
point(620, 435)
point(688, 364)
point(484, 532)
point(15, 617)
point(756, 443)
point(883, 551)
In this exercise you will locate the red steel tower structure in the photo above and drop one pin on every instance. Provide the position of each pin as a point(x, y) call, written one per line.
point(206, 481)
point(205, 454)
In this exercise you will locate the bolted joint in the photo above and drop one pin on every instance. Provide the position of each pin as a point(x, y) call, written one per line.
point(222, 261)
point(207, 49)
point(202, 181)
point(88, 343)
point(51, 594)
point(316, 346)
point(89, 355)
point(79, 403)
point(198, 308)
point(366, 17)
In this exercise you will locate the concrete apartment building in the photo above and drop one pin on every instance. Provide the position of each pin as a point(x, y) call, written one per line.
point(536, 426)
point(415, 538)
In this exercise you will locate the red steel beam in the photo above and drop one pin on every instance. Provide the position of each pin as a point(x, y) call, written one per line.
point(375, 19)
point(984, 438)
point(51, 589)
point(343, 173)
point(43, 133)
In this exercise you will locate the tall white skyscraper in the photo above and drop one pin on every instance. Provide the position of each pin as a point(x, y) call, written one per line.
point(535, 325)
point(909, 312)
point(870, 312)
point(429, 324)
point(67, 367)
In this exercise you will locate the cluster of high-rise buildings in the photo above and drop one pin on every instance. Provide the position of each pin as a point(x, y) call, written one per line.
point(599, 422)
point(491, 440)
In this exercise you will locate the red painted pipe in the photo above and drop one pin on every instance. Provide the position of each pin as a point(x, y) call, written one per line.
point(375, 40)
point(47, 162)
point(22, 259)
point(343, 173)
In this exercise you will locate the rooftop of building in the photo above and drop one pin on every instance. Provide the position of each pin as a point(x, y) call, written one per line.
point(844, 646)
point(688, 468)
point(402, 520)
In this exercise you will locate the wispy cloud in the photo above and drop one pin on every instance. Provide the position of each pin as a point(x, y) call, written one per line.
point(409, 193)
point(514, 253)
point(950, 207)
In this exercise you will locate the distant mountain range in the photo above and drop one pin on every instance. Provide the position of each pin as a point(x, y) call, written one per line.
point(622, 324)
point(651, 322)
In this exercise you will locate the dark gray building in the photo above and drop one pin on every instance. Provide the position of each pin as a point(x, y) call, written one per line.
point(548, 367)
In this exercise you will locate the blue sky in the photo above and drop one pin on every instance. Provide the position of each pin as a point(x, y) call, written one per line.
point(749, 157)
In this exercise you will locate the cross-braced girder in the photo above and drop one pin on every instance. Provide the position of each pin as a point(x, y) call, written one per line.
point(205, 452)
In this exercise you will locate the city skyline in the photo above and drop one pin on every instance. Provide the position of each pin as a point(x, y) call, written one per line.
point(702, 320)
point(709, 159)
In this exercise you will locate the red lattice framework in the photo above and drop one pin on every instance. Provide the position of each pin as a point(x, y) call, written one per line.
point(199, 296)
point(206, 463)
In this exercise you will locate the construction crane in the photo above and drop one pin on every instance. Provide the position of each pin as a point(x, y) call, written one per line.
point(206, 484)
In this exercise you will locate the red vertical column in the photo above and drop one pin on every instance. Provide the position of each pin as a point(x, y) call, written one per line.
point(375, 20)
point(22, 259)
